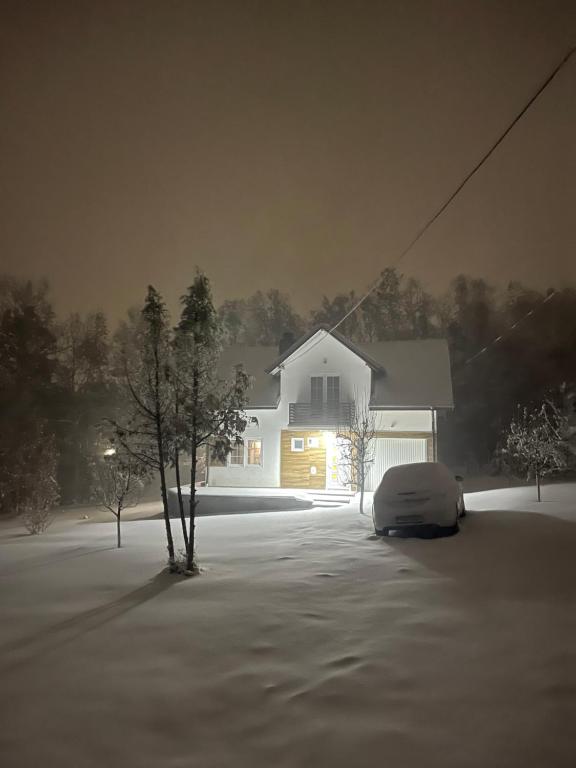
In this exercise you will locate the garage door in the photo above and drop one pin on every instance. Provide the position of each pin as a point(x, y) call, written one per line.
point(389, 452)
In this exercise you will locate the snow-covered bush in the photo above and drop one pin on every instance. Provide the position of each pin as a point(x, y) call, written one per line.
point(36, 519)
point(41, 492)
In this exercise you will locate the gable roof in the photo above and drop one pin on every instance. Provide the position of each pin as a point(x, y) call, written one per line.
point(406, 374)
point(338, 336)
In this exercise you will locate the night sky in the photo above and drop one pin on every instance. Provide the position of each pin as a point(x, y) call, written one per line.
point(296, 145)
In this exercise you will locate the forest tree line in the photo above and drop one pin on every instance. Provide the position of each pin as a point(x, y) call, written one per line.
point(60, 380)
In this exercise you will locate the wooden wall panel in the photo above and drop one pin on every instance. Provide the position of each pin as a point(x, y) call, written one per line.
point(295, 465)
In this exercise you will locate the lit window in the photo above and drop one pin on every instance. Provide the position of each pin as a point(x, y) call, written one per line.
point(297, 444)
point(237, 455)
point(255, 452)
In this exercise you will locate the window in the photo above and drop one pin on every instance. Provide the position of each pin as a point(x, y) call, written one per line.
point(237, 455)
point(313, 442)
point(254, 453)
point(248, 454)
point(316, 390)
point(297, 444)
point(333, 389)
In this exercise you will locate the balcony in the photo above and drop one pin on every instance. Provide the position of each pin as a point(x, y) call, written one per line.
point(320, 414)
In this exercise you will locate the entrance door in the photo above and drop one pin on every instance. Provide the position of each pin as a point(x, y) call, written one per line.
point(337, 461)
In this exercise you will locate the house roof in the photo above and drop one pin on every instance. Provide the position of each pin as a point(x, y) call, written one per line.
point(265, 389)
point(342, 339)
point(406, 374)
point(417, 374)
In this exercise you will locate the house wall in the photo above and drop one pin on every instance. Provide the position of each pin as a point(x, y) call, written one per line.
point(403, 421)
point(327, 357)
point(266, 476)
point(295, 465)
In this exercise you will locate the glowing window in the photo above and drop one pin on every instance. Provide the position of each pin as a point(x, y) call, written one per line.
point(237, 455)
point(254, 452)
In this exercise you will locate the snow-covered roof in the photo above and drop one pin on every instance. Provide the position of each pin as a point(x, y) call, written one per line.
point(406, 374)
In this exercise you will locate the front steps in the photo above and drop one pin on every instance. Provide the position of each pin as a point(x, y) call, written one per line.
point(331, 498)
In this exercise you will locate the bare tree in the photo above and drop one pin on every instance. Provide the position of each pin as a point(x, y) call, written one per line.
point(357, 437)
point(118, 482)
point(535, 443)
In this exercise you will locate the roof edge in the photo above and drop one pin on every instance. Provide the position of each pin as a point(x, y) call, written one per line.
point(338, 336)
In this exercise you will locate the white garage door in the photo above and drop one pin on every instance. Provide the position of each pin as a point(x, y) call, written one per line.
point(389, 452)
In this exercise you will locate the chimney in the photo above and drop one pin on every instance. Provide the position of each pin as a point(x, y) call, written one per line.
point(285, 342)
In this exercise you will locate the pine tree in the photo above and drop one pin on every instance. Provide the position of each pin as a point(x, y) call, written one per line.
point(145, 361)
point(211, 411)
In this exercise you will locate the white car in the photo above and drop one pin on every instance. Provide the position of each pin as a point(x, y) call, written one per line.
point(418, 495)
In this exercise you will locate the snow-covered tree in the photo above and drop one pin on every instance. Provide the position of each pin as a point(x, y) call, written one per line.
point(534, 443)
point(211, 409)
point(37, 486)
point(145, 354)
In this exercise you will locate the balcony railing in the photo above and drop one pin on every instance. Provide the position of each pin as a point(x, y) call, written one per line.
point(320, 414)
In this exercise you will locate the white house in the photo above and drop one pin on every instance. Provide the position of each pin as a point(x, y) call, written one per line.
point(300, 397)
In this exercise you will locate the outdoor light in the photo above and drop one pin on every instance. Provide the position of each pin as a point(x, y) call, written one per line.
point(110, 452)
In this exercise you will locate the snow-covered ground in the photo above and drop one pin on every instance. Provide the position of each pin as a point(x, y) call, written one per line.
point(306, 642)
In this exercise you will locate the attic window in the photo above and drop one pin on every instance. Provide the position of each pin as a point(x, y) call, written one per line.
point(297, 444)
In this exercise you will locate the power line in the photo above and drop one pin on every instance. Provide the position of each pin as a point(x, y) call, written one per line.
point(457, 191)
point(507, 331)
point(463, 183)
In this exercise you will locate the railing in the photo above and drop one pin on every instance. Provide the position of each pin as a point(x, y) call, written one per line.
point(320, 414)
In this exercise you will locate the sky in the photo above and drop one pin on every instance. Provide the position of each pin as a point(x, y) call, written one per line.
point(297, 145)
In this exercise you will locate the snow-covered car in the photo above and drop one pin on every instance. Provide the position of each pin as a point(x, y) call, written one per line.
point(418, 495)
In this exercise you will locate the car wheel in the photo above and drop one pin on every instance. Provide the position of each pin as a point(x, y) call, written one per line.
point(450, 530)
point(447, 530)
point(382, 531)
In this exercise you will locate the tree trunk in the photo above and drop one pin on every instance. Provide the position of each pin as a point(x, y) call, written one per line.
point(118, 530)
point(192, 537)
point(168, 527)
point(538, 485)
point(161, 459)
point(362, 477)
point(164, 493)
point(207, 449)
point(180, 500)
point(193, 455)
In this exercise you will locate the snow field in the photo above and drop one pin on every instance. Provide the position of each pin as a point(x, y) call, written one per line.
point(307, 641)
